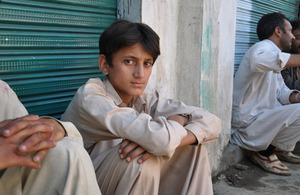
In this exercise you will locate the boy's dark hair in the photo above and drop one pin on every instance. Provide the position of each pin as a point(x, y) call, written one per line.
point(295, 24)
point(267, 24)
point(123, 33)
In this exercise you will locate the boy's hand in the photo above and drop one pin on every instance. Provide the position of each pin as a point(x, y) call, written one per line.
point(130, 150)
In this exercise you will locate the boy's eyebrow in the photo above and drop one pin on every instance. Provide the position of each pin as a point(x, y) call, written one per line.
point(130, 56)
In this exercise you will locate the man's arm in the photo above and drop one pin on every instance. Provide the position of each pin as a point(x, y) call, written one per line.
point(293, 61)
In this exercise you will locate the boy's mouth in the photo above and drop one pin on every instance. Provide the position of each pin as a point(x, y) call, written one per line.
point(137, 84)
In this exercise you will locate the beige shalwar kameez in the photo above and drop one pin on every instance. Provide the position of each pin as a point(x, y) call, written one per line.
point(262, 113)
point(99, 114)
point(66, 169)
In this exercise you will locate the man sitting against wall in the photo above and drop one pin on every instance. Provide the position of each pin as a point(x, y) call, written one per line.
point(265, 121)
point(40, 155)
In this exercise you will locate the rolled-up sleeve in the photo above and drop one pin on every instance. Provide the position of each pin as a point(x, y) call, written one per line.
point(268, 57)
point(285, 92)
point(204, 125)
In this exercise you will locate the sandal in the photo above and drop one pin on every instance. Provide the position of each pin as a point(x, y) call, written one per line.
point(287, 156)
point(270, 164)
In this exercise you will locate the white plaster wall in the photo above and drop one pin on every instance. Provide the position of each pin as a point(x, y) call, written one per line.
point(162, 16)
point(197, 55)
point(217, 64)
point(226, 47)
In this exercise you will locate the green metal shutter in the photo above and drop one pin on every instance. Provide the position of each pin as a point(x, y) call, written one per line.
point(248, 14)
point(48, 49)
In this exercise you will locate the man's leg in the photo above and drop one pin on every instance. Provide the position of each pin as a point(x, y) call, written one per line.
point(10, 182)
point(278, 126)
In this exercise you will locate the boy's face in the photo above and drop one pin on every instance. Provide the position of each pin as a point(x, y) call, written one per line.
point(130, 71)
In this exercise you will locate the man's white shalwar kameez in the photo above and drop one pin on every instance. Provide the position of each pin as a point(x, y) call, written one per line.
point(262, 113)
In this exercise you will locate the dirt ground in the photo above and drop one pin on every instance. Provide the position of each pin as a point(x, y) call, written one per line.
point(245, 178)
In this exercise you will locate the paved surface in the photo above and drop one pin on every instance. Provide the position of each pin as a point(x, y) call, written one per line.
point(245, 178)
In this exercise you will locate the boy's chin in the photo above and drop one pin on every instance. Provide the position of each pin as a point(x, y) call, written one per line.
point(138, 93)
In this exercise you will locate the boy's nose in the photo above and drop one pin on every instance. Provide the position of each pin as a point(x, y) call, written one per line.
point(139, 71)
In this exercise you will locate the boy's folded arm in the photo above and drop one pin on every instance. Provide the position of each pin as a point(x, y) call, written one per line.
point(159, 137)
point(204, 125)
point(101, 119)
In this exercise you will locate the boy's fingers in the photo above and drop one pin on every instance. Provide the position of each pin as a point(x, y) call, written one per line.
point(129, 148)
point(144, 157)
point(123, 144)
point(135, 153)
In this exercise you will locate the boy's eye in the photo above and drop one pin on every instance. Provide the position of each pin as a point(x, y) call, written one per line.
point(148, 63)
point(128, 61)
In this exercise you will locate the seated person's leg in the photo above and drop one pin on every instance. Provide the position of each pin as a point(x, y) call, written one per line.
point(285, 142)
point(263, 133)
point(187, 172)
point(10, 182)
point(116, 176)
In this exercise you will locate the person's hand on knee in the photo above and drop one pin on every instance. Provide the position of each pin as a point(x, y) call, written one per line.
point(13, 133)
point(32, 134)
point(130, 150)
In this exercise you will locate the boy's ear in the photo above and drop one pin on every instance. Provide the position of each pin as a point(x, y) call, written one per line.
point(103, 65)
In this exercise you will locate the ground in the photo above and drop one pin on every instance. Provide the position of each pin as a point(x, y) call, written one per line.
point(245, 178)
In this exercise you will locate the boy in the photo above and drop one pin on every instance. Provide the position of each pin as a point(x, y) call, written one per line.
point(166, 136)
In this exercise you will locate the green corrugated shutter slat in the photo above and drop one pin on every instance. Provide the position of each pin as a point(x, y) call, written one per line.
point(48, 49)
point(248, 14)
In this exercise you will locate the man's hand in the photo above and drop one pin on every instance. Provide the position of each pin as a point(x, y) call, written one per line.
point(14, 132)
point(33, 134)
point(129, 150)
